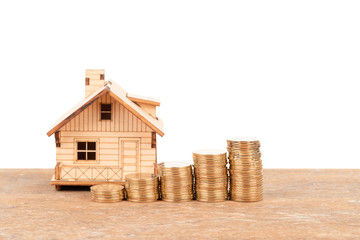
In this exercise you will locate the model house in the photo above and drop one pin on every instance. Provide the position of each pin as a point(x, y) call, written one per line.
point(106, 136)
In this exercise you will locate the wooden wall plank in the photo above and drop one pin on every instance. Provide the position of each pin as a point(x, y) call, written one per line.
point(147, 158)
point(64, 139)
point(109, 157)
point(145, 145)
point(135, 123)
point(104, 163)
point(106, 134)
point(126, 120)
point(130, 122)
point(107, 122)
point(147, 169)
point(138, 124)
point(142, 127)
point(71, 123)
point(127, 169)
point(77, 123)
point(103, 123)
point(90, 117)
point(116, 116)
point(94, 117)
point(86, 120)
point(109, 140)
point(69, 157)
point(65, 151)
point(146, 140)
point(65, 145)
point(147, 163)
point(121, 117)
point(109, 145)
point(81, 121)
point(151, 151)
point(111, 151)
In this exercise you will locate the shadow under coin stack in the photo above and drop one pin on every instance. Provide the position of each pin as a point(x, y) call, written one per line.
point(246, 174)
point(142, 187)
point(176, 181)
point(107, 193)
point(211, 178)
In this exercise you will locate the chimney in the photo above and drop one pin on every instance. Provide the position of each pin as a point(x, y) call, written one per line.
point(94, 79)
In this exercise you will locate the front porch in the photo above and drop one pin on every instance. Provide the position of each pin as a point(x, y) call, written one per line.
point(85, 175)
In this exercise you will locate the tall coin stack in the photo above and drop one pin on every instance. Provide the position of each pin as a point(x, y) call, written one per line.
point(107, 193)
point(142, 187)
point(246, 174)
point(176, 181)
point(211, 178)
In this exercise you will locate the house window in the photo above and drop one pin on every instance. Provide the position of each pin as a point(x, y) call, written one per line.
point(86, 151)
point(87, 81)
point(102, 76)
point(105, 111)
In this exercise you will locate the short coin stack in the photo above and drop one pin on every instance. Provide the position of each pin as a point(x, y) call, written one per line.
point(246, 174)
point(142, 187)
point(107, 193)
point(211, 178)
point(176, 181)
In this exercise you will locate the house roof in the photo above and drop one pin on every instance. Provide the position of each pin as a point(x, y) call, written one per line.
point(120, 95)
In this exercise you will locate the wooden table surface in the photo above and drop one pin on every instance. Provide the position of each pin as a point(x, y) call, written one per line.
point(298, 204)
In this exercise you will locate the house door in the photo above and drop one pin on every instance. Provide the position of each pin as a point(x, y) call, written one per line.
point(129, 155)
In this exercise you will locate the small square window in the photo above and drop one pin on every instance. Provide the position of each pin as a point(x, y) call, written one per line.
point(105, 111)
point(102, 76)
point(86, 151)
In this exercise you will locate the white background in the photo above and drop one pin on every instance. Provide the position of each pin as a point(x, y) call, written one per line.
point(286, 72)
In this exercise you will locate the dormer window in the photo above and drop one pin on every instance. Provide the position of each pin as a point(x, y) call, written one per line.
point(105, 111)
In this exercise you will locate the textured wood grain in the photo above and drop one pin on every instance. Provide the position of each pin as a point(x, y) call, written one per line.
point(298, 204)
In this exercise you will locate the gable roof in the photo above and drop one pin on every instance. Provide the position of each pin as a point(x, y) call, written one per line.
point(120, 95)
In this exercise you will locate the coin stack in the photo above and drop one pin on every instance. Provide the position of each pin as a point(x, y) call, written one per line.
point(142, 187)
point(176, 181)
point(211, 178)
point(246, 174)
point(107, 193)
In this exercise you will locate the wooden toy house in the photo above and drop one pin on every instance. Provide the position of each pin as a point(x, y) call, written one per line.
point(106, 136)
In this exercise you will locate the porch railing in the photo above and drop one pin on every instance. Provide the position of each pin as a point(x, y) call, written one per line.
point(87, 173)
